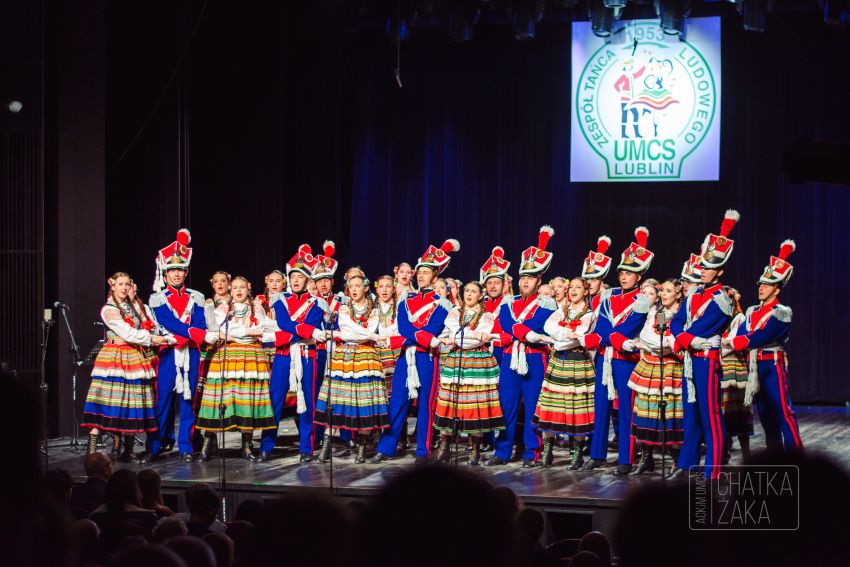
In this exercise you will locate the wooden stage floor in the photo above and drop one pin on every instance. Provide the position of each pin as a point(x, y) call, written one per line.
point(593, 496)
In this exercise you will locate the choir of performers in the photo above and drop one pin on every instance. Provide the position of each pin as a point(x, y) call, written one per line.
point(180, 312)
point(737, 415)
point(764, 335)
point(566, 399)
point(421, 318)
point(659, 369)
point(622, 313)
point(301, 319)
point(554, 361)
point(524, 362)
point(236, 391)
point(468, 398)
point(120, 399)
point(697, 328)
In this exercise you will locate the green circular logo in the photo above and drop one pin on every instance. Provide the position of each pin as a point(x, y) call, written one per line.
point(644, 110)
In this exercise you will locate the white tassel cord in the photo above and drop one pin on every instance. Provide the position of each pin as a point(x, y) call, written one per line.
point(181, 380)
point(608, 373)
point(412, 374)
point(519, 364)
point(296, 376)
point(752, 386)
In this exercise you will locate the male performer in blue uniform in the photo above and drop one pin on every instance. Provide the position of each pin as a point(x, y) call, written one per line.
point(323, 274)
point(764, 335)
point(300, 318)
point(698, 326)
point(524, 359)
point(180, 311)
point(421, 318)
point(594, 269)
point(622, 313)
point(492, 276)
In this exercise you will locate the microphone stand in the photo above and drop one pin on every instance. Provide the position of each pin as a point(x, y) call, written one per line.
point(222, 407)
point(456, 419)
point(329, 348)
point(46, 324)
point(78, 361)
point(661, 327)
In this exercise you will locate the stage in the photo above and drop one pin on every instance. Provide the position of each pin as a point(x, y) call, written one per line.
point(572, 502)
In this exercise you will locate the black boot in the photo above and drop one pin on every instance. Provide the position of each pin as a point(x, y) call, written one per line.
point(577, 455)
point(325, 453)
point(246, 447)
point(744, 441)
point(116, 447)
point(546, 456)
point(360, 457)
point(647, 461)
point(475, 452)
point(444, 453)
point(206, 448)
point(92, 446)
point(127, 455)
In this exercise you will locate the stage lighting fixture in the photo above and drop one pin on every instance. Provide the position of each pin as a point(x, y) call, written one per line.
point(672, 14)
point(15, 106)
point(601, 19)
point(754, 14)
point(462, 19)
point(836, 13)
point(615, 3)
point(526, 15)
point(398, 26)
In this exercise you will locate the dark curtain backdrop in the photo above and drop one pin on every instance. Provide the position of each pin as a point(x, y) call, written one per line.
point(285, 126)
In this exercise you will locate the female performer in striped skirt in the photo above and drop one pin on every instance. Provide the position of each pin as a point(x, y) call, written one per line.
point(354, 387)
point(469, 376)
point(646, 383)
point(238, 375)
point(120, 398)
point(737, 416)
point(565, 405)
point(387, 307)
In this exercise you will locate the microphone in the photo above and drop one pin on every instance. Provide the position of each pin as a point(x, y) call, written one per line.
point(98, 324)
point(60, 305)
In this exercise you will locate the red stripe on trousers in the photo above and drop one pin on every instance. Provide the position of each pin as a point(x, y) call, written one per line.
point(632, 438)
point(313, 401)
point(714, 418)
point(783, 394)
point(432, 405)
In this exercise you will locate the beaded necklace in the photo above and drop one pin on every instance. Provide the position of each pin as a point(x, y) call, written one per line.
point(385, 316)
point(359, 314)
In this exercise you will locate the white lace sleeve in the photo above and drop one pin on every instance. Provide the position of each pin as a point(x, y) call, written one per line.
point(351, 332)
point(111, 315)
point(553, 326)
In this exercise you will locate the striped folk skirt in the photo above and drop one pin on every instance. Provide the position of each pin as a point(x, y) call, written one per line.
point(388, 357)
point(565, 405)
point(242, 385)
point(646, 417)
point(738, 417)
point(469, 389)
point(355, 390)
point(120, 397)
